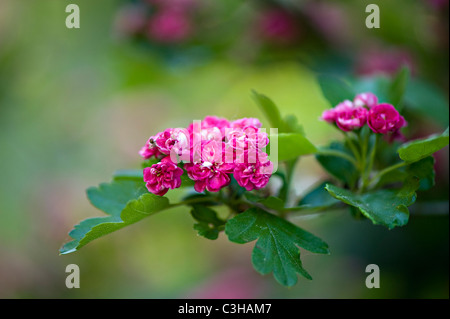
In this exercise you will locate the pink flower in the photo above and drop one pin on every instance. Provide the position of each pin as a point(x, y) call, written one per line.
point(175, 139)
point(170, 26)
point(375, 60)
point(384, 118)
point(248, 138)
point(366, 99)
point(331, 115)
point(351, 119)
point(130, 20)
point(254, 175)
point(278, 27)
point(211, 172)
point(150, 149)
point(346, 116)
point(162, 176)
point(210, 128)
point(244, 122)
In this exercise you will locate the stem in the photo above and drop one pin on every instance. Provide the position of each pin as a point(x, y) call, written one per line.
point(352, 147)
point(196, 201)
point(364, 140)
point(330, 152)
point(290, 165)
point(387, 170)
point(373, 151)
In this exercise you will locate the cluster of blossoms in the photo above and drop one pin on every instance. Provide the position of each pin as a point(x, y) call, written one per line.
point(162, 21)
point(382, 118)
point(209, 151)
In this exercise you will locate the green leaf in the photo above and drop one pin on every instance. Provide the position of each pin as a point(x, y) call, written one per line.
point(292, 126)
point(292, 145)
point(398, 87)
point(339, 167)
point(318, 198)
point(273, 202)
point(427, 100)
point(209, 225)
point(138, 176)
point(269, 109)
point(129, 174)
point(195, 198)
point(385, 207)
point(378, 85)
point(276, 249)
point(416, 150)
point(287, 125)
point(149, 162)
point(125, 201)
point(335, 90)
point(423, 169)
point(270, 202)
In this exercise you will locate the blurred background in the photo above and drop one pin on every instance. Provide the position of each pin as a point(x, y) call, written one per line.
point(77, 104)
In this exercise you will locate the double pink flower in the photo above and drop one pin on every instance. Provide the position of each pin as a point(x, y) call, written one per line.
point(161, 177)
point(381, 118)
point(213, 150)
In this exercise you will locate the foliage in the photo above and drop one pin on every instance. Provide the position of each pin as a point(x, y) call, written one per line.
point(358, 180)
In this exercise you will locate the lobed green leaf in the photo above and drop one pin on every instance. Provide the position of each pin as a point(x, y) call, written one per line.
point(277, 246)
point(209, 225)
point(385, 207)
point(125, 201)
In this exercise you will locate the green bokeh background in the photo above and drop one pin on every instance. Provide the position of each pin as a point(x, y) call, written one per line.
point(75, 105)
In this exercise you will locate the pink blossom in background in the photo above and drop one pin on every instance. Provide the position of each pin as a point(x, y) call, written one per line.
point(161, 177)
point(175, 4)
point(331, 20)
point(278, 27)
point(438, 4)
point(375, 60)
point(130, 20)
point(234, 283)
point(170, 26)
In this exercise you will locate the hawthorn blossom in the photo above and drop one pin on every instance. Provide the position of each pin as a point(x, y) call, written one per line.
point(244, 122)
point(346, 116)
point(331, 114)
point(384, 118)
point(248, 138)
point(351, 118)
point(212, 150)
point(211, 172)
point(170, 26)
point(150, 149)
point(254, 175)
point(161, 177)
point(366, 99)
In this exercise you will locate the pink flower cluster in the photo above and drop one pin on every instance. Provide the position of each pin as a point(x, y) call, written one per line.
point(211, 151)
point(365, 109)
point(162, 21)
